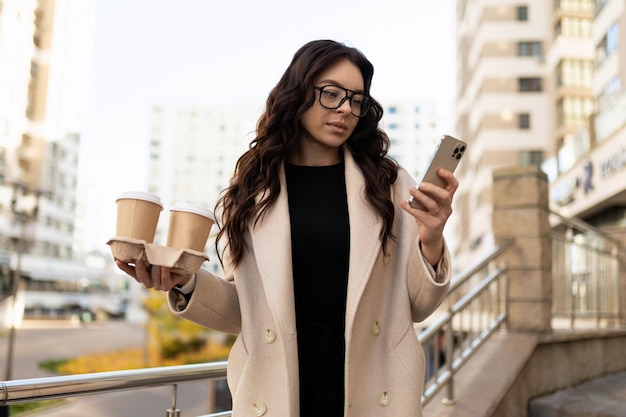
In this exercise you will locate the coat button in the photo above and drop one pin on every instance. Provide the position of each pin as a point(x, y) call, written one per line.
point(259, 408)
point(269, 336)
point(375, 328)
point(384, 399)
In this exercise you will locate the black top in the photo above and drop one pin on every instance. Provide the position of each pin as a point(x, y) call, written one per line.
point(320, 239)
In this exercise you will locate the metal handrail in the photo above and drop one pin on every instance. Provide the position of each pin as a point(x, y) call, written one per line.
point(47, 388)
point(450, 325)
point(579, 224)
point(478, 266)
point(588, 289)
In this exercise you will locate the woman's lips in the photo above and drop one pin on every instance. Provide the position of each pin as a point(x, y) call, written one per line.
point(338, 126)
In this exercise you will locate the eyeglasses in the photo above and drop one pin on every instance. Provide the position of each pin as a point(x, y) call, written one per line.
point(332, 97)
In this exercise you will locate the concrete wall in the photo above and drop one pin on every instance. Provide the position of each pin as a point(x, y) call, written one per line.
point(561, 361)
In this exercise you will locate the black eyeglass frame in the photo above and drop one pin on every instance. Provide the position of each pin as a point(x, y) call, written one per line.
point(367, 102)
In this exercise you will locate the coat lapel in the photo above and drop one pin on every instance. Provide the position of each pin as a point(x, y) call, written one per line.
point(271, 241)
point(365, 226)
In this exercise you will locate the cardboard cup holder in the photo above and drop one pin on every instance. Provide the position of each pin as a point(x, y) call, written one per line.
point(137, 219)
point(181, 261)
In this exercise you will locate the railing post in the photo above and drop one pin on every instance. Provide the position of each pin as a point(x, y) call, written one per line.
point(618, 233)
point(449, 333)
point(173, 412)
point(505, 294)
point(569, 275)
point(615, 276)
point(598, 267)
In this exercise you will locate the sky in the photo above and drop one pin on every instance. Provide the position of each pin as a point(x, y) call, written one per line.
point(151, 51)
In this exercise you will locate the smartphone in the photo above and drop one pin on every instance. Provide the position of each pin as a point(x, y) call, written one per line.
point(447, 155)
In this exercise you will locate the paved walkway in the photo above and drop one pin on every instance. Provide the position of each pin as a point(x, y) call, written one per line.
point(484, 380)
point(602, 397)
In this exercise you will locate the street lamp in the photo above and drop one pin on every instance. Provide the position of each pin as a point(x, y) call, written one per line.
point(24, 209)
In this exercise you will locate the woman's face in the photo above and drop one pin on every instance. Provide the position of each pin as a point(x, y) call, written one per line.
point(325, 130)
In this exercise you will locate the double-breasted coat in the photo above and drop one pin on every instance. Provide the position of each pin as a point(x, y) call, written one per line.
point(384, 362)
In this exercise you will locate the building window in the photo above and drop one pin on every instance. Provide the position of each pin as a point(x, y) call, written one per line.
point(610, 93)
point(574, 27)
point(530, 84)
point(529, 158)
point(575, 73)
point(522, 13)
point(573, 112)
point(586, 6)
point(524, 121)
point(608, 44)
point(568, 152)
point(393, 109)
point(529, 49)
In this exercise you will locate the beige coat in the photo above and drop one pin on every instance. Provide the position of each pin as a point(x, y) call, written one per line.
point(384, 360)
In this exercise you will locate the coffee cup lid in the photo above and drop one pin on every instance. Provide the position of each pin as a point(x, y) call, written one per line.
point(141, 195)
point(193, 208)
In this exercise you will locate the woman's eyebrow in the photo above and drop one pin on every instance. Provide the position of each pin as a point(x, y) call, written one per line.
point(338, 84)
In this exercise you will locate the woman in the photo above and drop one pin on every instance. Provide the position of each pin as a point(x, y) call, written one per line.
point(326, 264)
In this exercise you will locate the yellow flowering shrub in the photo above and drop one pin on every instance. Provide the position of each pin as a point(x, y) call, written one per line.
point(171, 341)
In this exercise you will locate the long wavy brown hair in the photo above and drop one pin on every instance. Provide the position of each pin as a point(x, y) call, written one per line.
point(279, 129)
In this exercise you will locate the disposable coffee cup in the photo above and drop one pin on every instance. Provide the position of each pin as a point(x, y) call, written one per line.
point(189, 226)
point(138, 215)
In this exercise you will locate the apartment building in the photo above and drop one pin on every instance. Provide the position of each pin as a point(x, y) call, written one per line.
point(590, 181)
point(16, 47)
point(45, 48)
point(43, 113)
point(524, 91)
point(57, 111)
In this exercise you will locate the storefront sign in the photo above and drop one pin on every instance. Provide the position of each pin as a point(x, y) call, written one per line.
point(613, 164)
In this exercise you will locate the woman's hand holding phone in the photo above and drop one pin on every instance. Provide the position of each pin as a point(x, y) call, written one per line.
point(430, 202)
point(447, 155)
